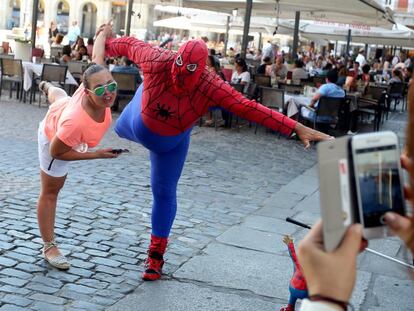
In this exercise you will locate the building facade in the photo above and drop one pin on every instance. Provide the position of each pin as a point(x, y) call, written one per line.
point(404, 10)
point(88, 13)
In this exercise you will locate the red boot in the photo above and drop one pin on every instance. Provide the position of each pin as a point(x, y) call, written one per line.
point(288, 308)
point(155, 260)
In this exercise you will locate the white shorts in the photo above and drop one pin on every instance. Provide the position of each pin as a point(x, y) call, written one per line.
point(49, 165)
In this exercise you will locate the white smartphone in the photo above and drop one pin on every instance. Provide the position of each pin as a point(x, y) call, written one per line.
point(378, 181)
point(337, 206)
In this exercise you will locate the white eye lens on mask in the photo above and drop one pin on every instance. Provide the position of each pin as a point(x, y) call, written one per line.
point(179, 61)
point(192, 67)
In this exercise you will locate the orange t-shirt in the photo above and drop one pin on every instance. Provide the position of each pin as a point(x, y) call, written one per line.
point(67, 120)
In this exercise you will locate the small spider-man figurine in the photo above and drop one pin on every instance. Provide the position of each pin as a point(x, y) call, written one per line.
point(297, 286)
point(177, 90)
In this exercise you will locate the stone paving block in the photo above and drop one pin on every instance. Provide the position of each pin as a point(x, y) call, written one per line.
point(243, 236)
point(269, 224)
point(190, 297)
point(43, 306)
point(106, 262)
point(29, 267)
point(84, 305)
point(221, 266)
point(48, 299)
point(16, 273)
point(93, 283)
point(14, 290)
point(7, 262)
point(393, 293)
point(16, 300)
point(13, 281)
point(41, 288)
point(375, 264)
point(20, 257)
point(282, 199)
point(9, 307)
point(302, 185)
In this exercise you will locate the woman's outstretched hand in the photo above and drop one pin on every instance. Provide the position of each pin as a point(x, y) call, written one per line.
point(306, 135)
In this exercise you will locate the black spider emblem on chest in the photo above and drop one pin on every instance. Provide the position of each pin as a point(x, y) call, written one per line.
point(164, 112)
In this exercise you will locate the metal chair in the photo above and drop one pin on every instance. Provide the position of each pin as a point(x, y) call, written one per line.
point(12, 72)
point(55, 74)
point(262, 80)
point(291, 88)
point(326, 112)
point(77, 69)
point(251, 91)
point(396, 92)
point(273, 99)
point(127, 86)
point(56, 52)
point(374, 106)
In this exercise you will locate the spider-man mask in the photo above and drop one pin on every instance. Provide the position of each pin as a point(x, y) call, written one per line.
point(188, 66)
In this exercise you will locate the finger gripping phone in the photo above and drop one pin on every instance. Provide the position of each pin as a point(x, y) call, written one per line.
point(377, 180)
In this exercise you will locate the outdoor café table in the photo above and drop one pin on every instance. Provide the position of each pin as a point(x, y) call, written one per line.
point(31, 69)
point(293, 103)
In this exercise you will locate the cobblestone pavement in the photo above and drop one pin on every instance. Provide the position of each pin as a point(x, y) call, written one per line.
point(232, 197)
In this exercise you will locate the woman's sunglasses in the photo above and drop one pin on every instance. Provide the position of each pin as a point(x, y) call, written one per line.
point(100, 90)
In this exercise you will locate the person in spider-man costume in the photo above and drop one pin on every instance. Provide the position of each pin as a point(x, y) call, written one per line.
point(177, 90)
point(297, 286)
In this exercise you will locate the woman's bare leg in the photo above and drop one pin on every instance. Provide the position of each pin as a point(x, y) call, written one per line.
point(53, 93)
point(46, 208)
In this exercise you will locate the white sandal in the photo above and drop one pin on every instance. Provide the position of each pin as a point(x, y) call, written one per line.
point(60, 261)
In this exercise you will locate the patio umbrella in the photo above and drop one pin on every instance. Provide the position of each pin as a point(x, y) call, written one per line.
point(217, 25)
point(399, 35)
point(364, 12)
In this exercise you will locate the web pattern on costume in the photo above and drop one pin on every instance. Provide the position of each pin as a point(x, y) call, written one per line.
point(167, 111)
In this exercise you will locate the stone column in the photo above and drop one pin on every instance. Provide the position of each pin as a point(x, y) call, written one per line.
point(5, 12)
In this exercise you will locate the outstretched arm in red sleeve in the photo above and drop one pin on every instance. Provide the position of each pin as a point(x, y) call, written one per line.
point(140, 52)
point(224, 95)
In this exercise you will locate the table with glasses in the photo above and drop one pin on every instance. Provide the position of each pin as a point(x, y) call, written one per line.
point(33, 69)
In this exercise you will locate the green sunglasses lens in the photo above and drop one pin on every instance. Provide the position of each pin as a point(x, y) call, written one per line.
point(112, 87)
point(99, 91)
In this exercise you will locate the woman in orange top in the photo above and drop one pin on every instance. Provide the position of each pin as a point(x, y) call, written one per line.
point(71, 126)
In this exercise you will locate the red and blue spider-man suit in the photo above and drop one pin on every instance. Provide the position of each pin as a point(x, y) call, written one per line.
point(297, 286)
point(177, 90)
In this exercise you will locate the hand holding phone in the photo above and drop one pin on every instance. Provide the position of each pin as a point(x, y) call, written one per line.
point(378, 180)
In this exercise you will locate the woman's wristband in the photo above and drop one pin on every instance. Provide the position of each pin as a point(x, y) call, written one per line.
point(343, 304)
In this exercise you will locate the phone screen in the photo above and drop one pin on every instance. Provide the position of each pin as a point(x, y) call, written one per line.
point(378, 179)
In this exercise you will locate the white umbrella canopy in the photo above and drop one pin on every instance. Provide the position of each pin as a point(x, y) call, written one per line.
point(360, 12)
point(210, 25)
point(399, 35)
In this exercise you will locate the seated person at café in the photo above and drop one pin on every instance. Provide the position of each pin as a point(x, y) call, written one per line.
point(262, 69)
point(408, 73)
point(366, 77)
point(351, 83)
point(66, 55)
point(330, 89)
point(280, 68)
point(240, 75)
point(298, 73)
point(342, 74)
point(396, 76)
point(127, 66)
point(82, 54)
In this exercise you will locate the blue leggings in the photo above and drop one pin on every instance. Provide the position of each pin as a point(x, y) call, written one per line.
point(167, 155)
point(296, 294)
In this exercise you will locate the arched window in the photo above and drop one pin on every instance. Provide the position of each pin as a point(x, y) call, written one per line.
point(88, 27)
point(62, 16)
